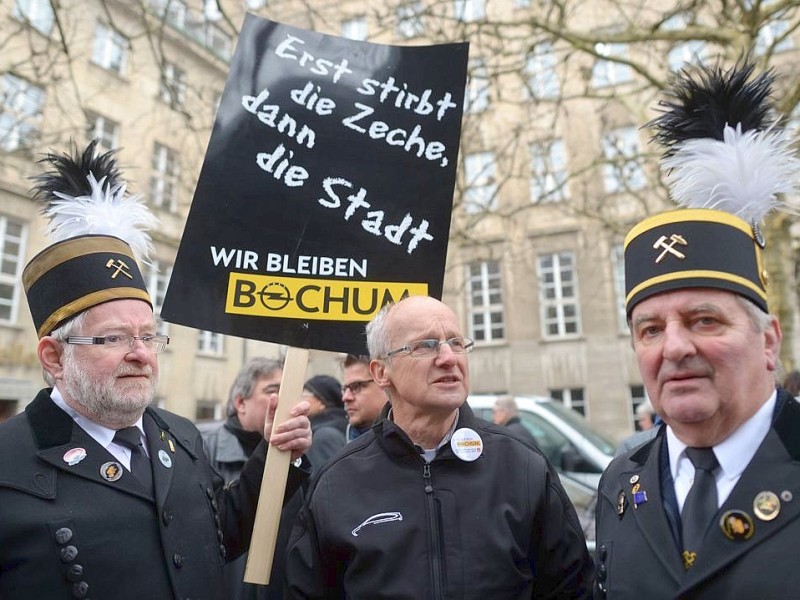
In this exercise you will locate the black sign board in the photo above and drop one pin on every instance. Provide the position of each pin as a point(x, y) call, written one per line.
point(326, 189)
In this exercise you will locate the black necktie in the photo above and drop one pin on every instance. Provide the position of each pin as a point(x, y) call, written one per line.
point(130, 437)
point(701, 503)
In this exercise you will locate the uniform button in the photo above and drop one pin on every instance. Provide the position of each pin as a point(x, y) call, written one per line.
point(63, 535)
point(68, 553)
point(601, 573)
point(603, 552)
point(177, 560)
point(74, 573)
point(223, 552)
point(209, 492)
point(220, 536)
point(214, 503)
point(166, 517)
point(80, 589)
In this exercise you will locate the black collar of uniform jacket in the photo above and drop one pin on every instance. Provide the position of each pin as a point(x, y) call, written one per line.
point(51, 425)
point(785, 423)
point(396, 441)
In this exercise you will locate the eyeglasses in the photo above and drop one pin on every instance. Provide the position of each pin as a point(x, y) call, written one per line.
point(356, 386)
point(430, 347)
point(156, 343)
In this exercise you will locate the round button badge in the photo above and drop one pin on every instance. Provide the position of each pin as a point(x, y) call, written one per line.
point(466, 444)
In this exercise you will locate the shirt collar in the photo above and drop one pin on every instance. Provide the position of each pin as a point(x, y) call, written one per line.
point(445, 439)
point(734, 452)
point(100, 433)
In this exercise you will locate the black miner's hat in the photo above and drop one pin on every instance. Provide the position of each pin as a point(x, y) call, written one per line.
point(99, 235)
point(727, 161)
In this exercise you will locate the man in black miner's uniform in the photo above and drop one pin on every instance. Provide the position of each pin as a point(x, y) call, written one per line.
point(709, 508)
point(101, 495)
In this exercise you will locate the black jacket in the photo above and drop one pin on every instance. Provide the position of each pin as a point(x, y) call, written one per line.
point(638, 557)
point(380, 522)
point(66, 531)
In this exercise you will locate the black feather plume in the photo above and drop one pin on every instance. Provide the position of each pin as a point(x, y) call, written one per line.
point(706, 99)
point(85, 194)
point(69, 173)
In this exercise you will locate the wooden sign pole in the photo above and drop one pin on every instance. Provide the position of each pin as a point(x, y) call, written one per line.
point(276, 471)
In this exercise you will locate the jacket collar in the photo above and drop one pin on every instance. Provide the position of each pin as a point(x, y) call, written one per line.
point(396, 441)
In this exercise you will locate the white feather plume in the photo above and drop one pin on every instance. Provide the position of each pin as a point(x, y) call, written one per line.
point(744, 174)
point(107, 211)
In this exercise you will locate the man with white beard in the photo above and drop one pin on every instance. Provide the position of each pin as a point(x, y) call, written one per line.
point(101, 494)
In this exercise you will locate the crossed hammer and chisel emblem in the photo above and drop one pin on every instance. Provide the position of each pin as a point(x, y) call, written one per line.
point(668, 244)
point(120, 266)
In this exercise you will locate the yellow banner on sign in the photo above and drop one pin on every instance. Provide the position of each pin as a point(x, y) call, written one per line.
point(313, 299)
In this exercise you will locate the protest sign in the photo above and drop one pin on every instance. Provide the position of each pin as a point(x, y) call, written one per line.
point(326, 189)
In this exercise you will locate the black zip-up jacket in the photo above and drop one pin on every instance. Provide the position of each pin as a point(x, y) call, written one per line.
point(381, 523)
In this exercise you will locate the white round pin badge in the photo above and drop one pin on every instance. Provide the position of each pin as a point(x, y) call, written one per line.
point(74, 456)
point(165, 458)
point(466, 444)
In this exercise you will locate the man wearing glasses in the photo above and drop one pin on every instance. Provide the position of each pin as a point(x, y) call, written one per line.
point(101, 494)
point(363, 398)
point(433, 502)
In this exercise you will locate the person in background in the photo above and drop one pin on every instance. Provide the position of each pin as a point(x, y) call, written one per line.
point(328, 419)
point(363, 400)
point(506, 412)
point(792, 383)
point(647, 423)
point(93, 473)
point(230, 443)
point(432, 502)
point(645, 416)
point(709, 508)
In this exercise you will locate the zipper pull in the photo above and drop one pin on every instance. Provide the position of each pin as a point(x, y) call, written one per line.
point(426, 474)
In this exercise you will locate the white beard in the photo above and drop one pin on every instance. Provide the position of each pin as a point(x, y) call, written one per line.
point(108, 400)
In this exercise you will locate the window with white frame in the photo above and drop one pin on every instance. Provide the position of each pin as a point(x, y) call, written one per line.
point(165, 178)
point(570, 398)
point(693, 52)
point(156, 278)
point(207, 410)
point(623, 168)
point(409, 22)
point(218, 40)
point(540, 68)
point(13, 238)
point(608, 71)
point(110, 49)
point(549, 171)
point(210, 343)
point(774, 36)
point(477, 97)
point(485, 301)
point(558, 295)
point(470, 10)
point(20, 113)
point(172, 11)
point(172, 85)
point(355, 28)
point(479, 177)
point(104, 130)
point(38, 13)
point(618, 266)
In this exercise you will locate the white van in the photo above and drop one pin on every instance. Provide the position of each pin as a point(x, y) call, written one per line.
point(562, 434)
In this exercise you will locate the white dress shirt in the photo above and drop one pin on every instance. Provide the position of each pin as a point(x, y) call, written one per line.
point(101, 434)
point(733, 454)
